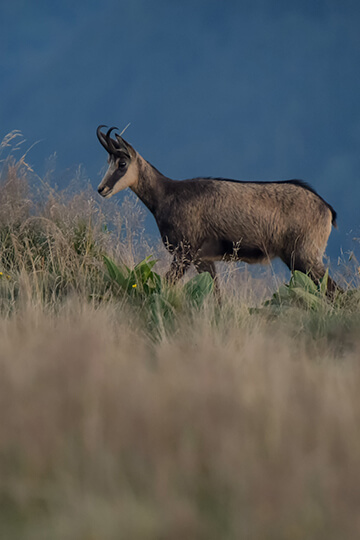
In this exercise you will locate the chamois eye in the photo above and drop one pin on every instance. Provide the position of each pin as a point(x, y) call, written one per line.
point(122, 164)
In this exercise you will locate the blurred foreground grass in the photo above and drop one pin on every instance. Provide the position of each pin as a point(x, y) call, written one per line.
point(234, 423)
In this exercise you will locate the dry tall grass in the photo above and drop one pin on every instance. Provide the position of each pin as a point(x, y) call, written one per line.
point(235, 425)
point(246, 433)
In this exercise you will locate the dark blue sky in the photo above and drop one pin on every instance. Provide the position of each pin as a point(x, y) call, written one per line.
point(252, 90)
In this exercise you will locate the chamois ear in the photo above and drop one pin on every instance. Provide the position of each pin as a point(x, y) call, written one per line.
point(125, 147)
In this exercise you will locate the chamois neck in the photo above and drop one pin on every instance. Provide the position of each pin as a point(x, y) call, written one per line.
point(150, 186)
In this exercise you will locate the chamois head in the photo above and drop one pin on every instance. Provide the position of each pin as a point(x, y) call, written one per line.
point(122, 170)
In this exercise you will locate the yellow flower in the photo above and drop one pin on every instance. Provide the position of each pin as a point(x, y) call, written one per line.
point(1, 274)
point(134, 285)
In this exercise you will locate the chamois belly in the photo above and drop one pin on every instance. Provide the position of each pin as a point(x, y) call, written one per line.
point(225, 250)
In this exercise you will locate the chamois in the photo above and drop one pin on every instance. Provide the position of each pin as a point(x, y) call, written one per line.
point(203, 220)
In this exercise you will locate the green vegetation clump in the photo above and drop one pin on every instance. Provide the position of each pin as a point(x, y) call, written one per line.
point(131, 409)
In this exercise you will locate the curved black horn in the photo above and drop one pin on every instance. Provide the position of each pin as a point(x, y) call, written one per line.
point(110, 130)
point(109, 140)
point(102, 137)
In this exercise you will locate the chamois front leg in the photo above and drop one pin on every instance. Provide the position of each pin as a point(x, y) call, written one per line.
point(180, 263)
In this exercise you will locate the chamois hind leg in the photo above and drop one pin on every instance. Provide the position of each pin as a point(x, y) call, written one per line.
point(315, 269)
point(209, 266)
point(317, 273)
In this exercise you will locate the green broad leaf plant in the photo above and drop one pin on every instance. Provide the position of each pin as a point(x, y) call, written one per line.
point(301, 291)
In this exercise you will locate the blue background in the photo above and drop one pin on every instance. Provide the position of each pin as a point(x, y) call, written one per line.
point(252, 90)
